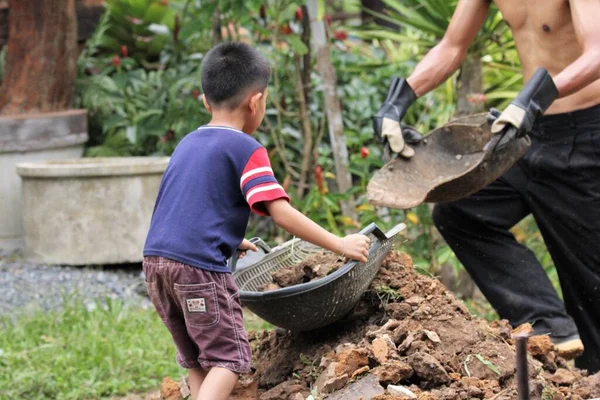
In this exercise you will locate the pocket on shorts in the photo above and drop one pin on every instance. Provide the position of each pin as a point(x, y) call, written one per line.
point(199, 303)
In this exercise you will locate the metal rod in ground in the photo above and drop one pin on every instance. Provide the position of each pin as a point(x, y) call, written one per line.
point(522, 368)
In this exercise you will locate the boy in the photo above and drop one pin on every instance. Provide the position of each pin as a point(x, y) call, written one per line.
point(216, 177)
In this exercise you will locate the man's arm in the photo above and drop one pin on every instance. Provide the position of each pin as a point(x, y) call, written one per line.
point(586, 69)
point(446, 57)
point(434, 68)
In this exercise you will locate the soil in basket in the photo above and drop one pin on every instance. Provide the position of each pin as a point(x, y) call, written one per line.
point(315, 266)
point(407, 331)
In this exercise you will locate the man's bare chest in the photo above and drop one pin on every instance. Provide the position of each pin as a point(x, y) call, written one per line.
point(544, 17)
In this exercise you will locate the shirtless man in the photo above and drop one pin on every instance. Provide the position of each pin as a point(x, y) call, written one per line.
point(558, 180)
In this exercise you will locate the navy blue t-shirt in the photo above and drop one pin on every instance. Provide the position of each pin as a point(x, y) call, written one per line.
point(215, 178)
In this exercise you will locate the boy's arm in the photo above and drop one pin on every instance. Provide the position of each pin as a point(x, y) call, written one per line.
point(266, 197)
point(296, 223)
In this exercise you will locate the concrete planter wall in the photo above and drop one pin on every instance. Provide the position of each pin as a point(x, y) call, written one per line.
point(33, 137)
point(89, 211)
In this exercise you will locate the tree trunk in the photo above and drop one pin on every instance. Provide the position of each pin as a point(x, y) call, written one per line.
point(216, 27)
point(41, 61)
point(332, 106)
point(469, 86)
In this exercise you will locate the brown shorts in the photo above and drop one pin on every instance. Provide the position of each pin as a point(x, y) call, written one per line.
point(202, 311)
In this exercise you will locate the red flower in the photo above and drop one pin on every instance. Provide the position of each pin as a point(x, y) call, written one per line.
point(263, 12)
point(116, 61)
point(319, 179)
point(196, 93)
point(364, 152)
point(164, 2)
point(285, 29)
point(328, 19)
point(168, 136)
point(299, 14)
point(135, 21)
point(476, 98)
point(340, 35)
point(124, 51)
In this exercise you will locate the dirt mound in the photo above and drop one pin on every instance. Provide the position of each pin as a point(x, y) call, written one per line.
point(407, 338)
point(315, 266)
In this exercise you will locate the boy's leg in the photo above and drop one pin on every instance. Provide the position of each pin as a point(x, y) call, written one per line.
point(195, 378)
point(215, 323)
point(218, 384)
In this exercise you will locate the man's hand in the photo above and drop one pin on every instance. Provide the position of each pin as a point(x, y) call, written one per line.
point(518, 118)
point(245, 246)
point(386, 123)
point(356, 247)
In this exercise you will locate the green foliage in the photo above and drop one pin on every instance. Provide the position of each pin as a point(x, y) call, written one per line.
point(147, 102)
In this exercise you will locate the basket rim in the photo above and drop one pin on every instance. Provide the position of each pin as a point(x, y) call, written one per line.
point(254, 296)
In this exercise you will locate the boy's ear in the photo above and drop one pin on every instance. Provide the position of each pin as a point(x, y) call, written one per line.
point(254, 102)
point(206, 104)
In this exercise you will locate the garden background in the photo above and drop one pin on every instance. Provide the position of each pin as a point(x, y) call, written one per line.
point(138, 77)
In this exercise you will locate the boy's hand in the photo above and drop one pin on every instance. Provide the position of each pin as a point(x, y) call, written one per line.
point(246, 245)
point(356, 247)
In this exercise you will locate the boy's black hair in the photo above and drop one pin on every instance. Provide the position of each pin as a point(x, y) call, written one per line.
point(230, 70)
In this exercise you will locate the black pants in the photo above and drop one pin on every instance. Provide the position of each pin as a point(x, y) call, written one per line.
point(558, 181)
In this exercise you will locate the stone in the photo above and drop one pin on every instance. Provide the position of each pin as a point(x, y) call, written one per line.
point(401, 391)
point(365, 388)
point(246, 388)
point(428, 368)
point(474, 391)
point(169, 389)
point(540, 345)
point(415, 300)
point(184, 388)
point(398, 310)
point(360, 371)
point(351, 360)
point(563, 377)
point(380, 349)
point(121, 191)
point(393, 372)
point(285, 390)
point(335, 383)
point(327, 374)
point(390, 325)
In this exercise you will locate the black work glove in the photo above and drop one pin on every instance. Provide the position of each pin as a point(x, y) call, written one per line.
point(386, 123)
point(518, 118)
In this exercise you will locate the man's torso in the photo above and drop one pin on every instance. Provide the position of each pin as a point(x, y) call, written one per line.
point(545, 36)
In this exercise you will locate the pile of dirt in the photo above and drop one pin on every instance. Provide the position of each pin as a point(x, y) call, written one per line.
point(408, 338)
point(315, 266)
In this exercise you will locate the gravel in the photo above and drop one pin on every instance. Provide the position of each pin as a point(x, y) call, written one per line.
point(26, 287)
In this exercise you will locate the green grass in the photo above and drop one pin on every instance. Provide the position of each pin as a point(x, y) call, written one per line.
point(79, 354)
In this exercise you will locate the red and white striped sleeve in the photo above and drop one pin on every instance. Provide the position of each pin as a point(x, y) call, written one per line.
point(258, 184)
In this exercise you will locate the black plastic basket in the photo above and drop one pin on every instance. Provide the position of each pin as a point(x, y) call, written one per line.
point(313, 304)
